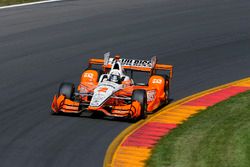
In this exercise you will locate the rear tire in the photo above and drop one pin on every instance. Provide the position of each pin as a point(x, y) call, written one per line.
point(67, 89)
point(141, 96)
point(166, 88)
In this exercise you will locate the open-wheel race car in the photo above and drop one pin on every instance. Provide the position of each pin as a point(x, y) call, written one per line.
point(107, 87)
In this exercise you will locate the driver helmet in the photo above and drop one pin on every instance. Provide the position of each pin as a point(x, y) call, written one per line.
point(115, 76)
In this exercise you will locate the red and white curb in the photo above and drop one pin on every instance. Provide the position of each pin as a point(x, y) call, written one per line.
point(133, 146)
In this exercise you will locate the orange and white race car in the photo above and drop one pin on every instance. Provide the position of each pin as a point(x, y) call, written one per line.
point(111, 90)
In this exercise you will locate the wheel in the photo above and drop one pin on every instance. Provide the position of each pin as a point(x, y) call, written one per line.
point(167, 96)
point(166, 88)
point(141, 96)
point(67, 89)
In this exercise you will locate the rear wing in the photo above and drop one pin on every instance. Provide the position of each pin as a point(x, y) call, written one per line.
point(133, 64)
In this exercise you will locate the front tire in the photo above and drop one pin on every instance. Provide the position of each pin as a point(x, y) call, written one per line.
point(67, 89)
point(141, 96)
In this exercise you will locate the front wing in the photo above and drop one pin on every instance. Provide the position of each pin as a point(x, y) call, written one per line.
point(61, 104)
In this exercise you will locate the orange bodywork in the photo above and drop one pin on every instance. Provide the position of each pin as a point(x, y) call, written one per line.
point(61, 104)
point(155, 94)
point(89, 80)
point(146, 69)
point(114, 106)
point(132, 110)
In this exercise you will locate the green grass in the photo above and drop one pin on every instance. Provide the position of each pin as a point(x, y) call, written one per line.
point(216, 137)
point(12, 2)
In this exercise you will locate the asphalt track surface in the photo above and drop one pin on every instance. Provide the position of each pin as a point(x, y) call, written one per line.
point(40, 46)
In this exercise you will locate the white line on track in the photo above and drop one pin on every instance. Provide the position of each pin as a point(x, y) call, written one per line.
point(27, 4)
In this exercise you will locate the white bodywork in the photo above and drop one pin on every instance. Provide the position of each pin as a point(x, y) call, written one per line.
point(103, 91)
point(106, 88)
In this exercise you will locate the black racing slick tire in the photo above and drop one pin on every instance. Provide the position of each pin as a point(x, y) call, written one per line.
point(141, 96)
point(67, 89)
point(166, 88)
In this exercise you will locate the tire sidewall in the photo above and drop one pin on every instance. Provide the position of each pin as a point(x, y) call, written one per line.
point(66, 89)
point(140, 95)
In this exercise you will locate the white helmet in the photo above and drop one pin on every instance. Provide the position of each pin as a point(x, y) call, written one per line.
point(115, 76)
